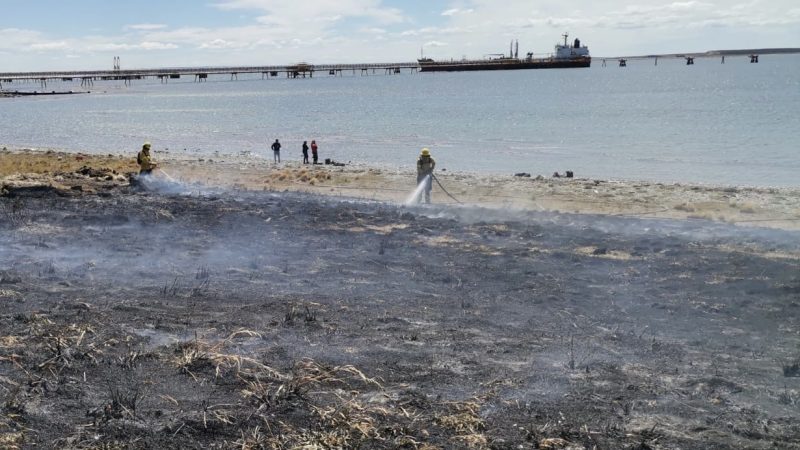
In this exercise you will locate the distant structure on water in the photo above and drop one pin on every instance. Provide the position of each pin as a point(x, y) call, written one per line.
point(566, 56)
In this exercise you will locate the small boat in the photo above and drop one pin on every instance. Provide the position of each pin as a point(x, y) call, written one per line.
point(566, 56)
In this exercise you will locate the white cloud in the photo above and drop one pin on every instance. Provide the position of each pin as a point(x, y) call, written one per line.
point(220, 44)
point(373, 30)
point(16, 39)
point(621, 26)
point(626, 15)
point(456, 11)
point(104, 47)
point(49, 46)
point(145, 27)
point(280, 31)
point(157, 46)
point(295, 12)
point(430, 31)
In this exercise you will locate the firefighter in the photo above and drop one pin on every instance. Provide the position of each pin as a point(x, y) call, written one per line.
point(425, 166)
point(146, 164)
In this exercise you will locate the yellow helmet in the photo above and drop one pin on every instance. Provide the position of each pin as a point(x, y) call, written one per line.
point(146, 145)
point(426, 152)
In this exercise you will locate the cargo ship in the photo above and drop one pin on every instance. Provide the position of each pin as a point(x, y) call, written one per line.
point(566, 56)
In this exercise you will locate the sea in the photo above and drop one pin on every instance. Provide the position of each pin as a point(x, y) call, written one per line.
point(735, 123)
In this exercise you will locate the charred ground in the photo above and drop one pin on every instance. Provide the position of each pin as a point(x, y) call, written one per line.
point(281, 320)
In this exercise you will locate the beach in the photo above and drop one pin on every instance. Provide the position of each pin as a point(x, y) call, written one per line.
point(743, 206)
point(230, 303)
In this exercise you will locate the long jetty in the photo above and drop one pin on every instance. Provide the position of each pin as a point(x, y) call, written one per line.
point(200, 74)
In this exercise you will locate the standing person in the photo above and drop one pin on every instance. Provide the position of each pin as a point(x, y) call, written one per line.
point(276, 151)
point(146, 164)
point(305, 152)
point(314, 153)
point(425, 166)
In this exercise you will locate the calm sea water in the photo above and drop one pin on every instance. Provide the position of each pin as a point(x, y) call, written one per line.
point(736, 123)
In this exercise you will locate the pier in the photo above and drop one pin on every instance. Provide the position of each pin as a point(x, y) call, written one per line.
point(292, 71)
point(6, 94)
point(690, 58)
point(201, 74)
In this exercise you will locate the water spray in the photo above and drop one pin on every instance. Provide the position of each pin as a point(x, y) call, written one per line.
point(167, 175)
point(414, 197)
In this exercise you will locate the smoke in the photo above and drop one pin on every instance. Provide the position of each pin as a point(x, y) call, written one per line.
point(691, 230)
point(163, 183)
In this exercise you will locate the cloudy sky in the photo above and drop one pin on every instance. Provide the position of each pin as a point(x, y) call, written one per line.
point(87, 34)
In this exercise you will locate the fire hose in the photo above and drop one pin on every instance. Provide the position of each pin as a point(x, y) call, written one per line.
point(445, 190)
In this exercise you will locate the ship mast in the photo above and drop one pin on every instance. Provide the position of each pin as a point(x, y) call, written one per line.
point(566, 35)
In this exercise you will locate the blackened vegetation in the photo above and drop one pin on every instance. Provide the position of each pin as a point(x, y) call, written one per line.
point(792, 370)
point(146, 321)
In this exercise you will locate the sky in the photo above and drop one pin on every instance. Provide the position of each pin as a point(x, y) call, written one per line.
point(87, 34)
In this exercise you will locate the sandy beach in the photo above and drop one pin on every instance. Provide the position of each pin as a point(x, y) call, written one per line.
point(263, 307)
point(744, 206)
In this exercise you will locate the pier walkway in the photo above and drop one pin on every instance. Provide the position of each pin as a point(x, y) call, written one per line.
point(200, 74)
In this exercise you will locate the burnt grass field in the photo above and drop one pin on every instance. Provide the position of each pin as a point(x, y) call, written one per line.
point(232, 320)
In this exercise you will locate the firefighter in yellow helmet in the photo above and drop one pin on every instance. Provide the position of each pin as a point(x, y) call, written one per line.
point(146, 164)
point(425, 166)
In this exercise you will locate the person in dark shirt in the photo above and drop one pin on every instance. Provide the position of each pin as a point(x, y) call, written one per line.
point(276, 151)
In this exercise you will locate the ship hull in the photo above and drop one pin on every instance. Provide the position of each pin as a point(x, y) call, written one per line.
point(468, 66)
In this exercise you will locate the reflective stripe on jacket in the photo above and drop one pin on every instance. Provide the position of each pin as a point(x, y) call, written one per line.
point(425, 165)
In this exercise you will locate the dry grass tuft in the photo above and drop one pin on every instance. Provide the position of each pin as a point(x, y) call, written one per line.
point(317, 388)
point(244, 333)
point(65, 346)
point(301, 175)
point(745, 207)
point(10, 342)
point(317, 373)
point(53, 162)
point(255, 438)
point(196, 356)
point(467, 424)
point(11, 441)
